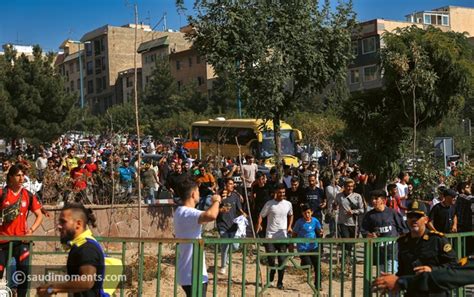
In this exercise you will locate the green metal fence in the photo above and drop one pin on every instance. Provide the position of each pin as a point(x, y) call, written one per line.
point(347, 266)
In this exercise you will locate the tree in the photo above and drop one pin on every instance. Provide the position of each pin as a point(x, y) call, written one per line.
point(33, 98)
point(319, 130)
point(161, 94)
point(280, 52)
point(426, 76)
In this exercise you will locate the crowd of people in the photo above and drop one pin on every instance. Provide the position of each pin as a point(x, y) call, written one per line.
point(336, 193)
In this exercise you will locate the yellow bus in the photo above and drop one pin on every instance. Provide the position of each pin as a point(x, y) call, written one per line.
point(220, 137)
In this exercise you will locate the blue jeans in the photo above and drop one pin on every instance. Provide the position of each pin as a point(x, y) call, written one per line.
point(225, 247)
point(150, 195)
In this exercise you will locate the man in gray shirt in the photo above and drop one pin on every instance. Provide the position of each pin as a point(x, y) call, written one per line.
point(349, 205)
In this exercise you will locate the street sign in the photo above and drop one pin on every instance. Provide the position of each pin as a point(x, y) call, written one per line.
point(444, 146)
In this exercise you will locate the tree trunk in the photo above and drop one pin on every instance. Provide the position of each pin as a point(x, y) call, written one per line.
point(277, 137)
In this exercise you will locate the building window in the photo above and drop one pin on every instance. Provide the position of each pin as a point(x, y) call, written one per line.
point(103, 63)
point(355, 76)
point(72, 85)
point(98, 65)
point(77, 66)
point(370, 73)
point(97, 47)
point(178, 65)
point(179, 85)
point(368, 45)
point(79, 84)
point(104, 82)
point(98, 85)
point(200, 81)
point(90, 87)
point(198, 59)
point(445, 21)
point(71, 67)
point(190, 62)
point(436, 19)
point(355, 50)
point(67, 75)
point(88, 49)
point(147, 79)
point(130, 82)
point(89, 68)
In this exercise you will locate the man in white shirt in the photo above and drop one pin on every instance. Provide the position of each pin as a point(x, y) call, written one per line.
point(402, 187)
point(249, 170)
point(280, 218)
point(188, 223)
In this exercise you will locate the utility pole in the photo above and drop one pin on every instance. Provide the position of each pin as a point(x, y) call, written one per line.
point(135, 95)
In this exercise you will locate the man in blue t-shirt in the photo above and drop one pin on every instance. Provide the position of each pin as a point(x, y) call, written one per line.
point(315, 197)
point(127, 175)
point(309, 227)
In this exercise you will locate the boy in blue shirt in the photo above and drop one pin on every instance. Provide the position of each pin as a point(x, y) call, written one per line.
point(309, 227)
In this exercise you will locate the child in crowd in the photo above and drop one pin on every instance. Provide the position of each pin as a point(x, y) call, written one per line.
point(309, 227)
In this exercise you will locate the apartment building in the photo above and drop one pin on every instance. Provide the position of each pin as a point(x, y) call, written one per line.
point(67, 64)
point(188, 67)
point(107, 52)
point(124, 86)
point(162, 47)
point(364, 72)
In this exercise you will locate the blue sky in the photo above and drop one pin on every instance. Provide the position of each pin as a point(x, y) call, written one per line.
point(49, 22)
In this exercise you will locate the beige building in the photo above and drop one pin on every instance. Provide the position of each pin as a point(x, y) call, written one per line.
point(161, 47)
point(67, 64)
point(124, 86)
point(364, 72)
point(107, 51)
point(188, 67)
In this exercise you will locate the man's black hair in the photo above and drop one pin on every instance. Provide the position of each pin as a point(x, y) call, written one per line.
point(390, 187)
point(86, 214)
point(185, 189)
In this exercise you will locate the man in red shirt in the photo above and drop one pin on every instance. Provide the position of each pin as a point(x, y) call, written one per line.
point(15, 203)
point(79, 176)
point(393, 200)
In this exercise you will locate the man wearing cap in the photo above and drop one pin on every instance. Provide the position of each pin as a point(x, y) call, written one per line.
point(443, 215)
point(422, 250)
point(383, 221)
point(127, 175)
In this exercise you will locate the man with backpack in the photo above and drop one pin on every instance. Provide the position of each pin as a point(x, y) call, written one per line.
point(15, 203)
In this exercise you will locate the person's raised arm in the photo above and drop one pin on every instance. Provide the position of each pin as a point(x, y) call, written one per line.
point(212, 212)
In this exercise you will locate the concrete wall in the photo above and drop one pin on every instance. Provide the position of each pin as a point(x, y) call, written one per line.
point(119, 221)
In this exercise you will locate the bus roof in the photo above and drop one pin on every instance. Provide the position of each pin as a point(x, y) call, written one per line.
point(240, 123)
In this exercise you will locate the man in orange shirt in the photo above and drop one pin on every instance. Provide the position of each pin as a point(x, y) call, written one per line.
point(207, 186)
point(15, 204)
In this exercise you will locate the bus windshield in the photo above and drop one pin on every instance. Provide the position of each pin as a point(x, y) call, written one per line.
point(288, 146)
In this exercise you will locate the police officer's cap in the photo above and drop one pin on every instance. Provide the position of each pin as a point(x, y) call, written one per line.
point(417, 207)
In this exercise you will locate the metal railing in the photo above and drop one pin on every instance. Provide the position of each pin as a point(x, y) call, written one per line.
point(346, 266)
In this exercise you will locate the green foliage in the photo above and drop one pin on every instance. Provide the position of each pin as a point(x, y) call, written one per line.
point(280, 52)
point(428, 67)
point(320, 130)
point(32, 97)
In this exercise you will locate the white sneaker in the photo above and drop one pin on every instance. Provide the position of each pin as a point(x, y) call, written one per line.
point(223, 270)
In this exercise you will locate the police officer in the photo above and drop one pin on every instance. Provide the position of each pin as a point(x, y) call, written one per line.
point(439, 280)
point(422, 250)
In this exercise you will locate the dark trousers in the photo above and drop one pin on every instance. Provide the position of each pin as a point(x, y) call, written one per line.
point(281, 248)
point(312, 260)
point(21, 254)
point(187, 290)
point(347, 232)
